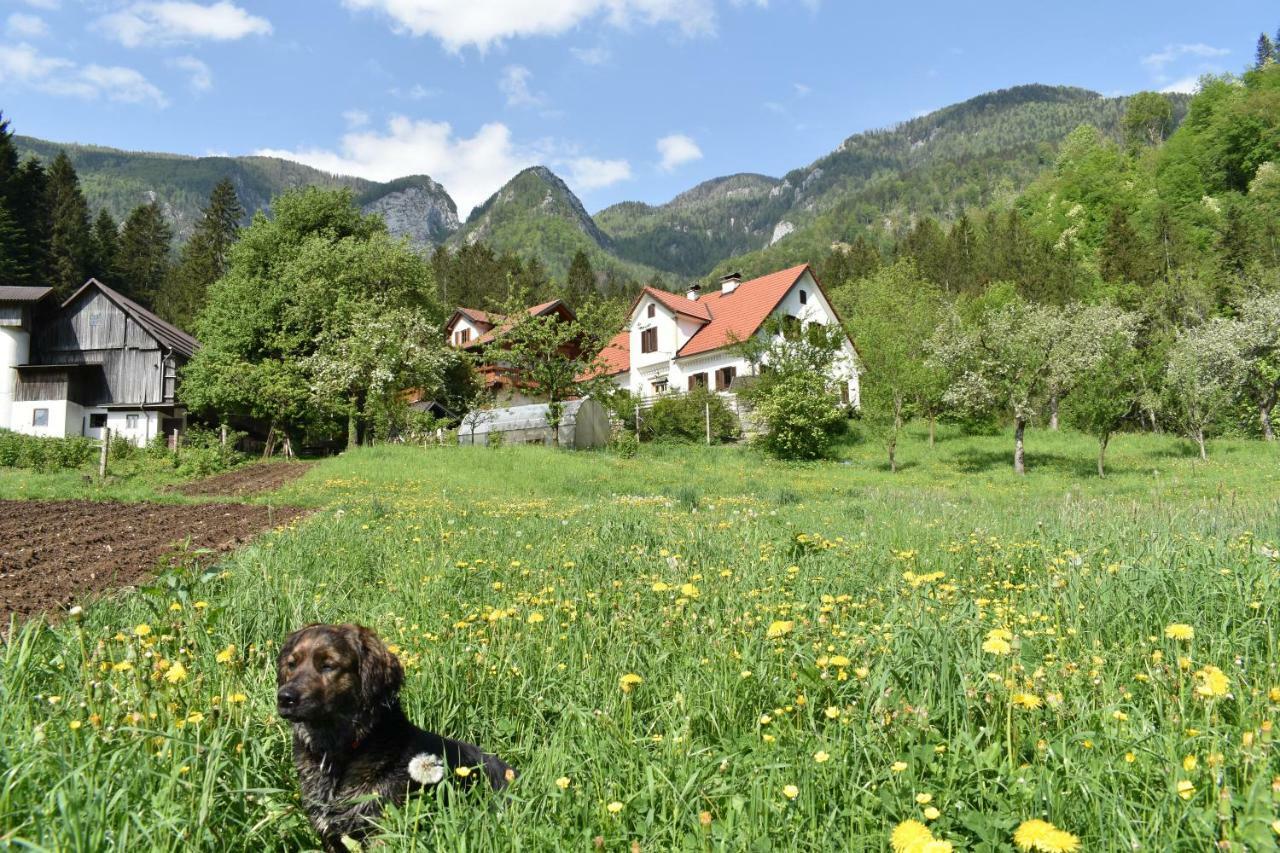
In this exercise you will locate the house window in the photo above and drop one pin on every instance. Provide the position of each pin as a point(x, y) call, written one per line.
point(649, 340)
point(791, 327)
point(462, 337)
point(653, 310)
point(697, 380)
point(97, 420)
point(804, 297)
point(130, 421)
point(659, 386)
point(724, 378)
point(40, 417)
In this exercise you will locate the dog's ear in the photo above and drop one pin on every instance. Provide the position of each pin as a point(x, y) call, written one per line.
point(381, 675)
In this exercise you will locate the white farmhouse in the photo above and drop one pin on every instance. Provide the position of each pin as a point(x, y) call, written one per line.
point(97, 361)
point(677, 343)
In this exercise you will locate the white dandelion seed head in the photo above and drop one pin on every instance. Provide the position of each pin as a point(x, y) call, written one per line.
point(426, 769)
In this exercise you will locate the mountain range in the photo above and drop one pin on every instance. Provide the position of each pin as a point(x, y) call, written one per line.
point(981, 151)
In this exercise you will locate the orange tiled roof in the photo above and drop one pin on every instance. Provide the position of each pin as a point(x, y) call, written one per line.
point(499, 324)
point(616, 355)
point(725, 318)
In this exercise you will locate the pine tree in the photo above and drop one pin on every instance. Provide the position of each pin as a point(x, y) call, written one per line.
point(8, 164)
point(1123, 257)
point(142, 263)
point(33, 216)
point(70, 240)
point(11, 270)
point(1266, 51)
point(106, 246)
point(12, 243)
point(204, 258)
point(580, 283)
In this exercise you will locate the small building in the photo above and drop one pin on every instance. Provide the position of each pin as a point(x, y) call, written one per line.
point(99, 360)
point(472, 330)
point(584, 425)
point(677, 343)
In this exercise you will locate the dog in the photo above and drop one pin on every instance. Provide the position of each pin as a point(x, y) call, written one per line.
point(353, 746)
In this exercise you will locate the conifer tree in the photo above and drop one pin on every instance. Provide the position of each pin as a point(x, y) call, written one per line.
point(580, 283)
point(30, 208)
point(1266, 51)
point(142, 262)
point(70, 242)
point(1123, 257)
point(106, 245)
point(204, 258)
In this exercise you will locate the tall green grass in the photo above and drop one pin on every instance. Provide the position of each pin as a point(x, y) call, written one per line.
point(520, 584)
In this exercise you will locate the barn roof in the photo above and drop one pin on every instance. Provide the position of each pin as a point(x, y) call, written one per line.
point(163, 331)
point(11, 293)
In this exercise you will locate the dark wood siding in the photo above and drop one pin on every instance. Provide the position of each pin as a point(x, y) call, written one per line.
point(94, 330)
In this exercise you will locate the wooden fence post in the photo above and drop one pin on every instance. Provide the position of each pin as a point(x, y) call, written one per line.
point(637, 421)
point(224, 435)
point(708, 405)
point(102, 457)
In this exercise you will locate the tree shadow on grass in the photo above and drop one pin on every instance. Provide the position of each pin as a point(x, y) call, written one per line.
point(982, 461)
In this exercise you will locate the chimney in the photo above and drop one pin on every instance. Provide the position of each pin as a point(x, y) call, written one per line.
point(694, 290)
point(729, 283)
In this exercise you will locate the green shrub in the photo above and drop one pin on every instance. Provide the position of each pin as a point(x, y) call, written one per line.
point(625, 444)
point(683, 417)
point(45, 454)
point(202, 452)
point(800, 417)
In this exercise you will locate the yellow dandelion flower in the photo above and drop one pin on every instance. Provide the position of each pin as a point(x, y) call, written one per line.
point(996, 646)
point(629, 681)
point(821, 757)
point(1212, 683)
point(195, 717)
point(534, 618)
point(237, 698)
point(462, 772)
point(74, 724)
point(226, 655)
point(1189, 763)
point(176, 674)
point(779, 628)
point(688, 590)
point(790, 791)
point(898, 766)
point(1027, 701)
point(1045, 837)
point(614, 807)
point(910, 836)
point(1179, 631)
point(122, 666)
point(142, 630)
point(563, 783)
point(1186, 789)
point(832, 712)
point(932, 813)
point(839, 660)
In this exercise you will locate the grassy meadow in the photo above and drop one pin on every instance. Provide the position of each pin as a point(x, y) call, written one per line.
point(823, 652)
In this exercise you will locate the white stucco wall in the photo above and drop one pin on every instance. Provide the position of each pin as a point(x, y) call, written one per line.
point(15, 347)
point(464, 323)
point(65, 418)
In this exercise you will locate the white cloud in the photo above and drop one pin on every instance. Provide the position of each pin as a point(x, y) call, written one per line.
point(801, 89)
point(179, 21)
point(514, 83)
point(21, 25)
point(676, 150)
point(471, 168)
point(1186, 86)
point(199, 76)
point(416, 92)
point(355, 118)
point(1158, 61)
point(591, 55)
point(588, 173)
point(23, 65)
point(481, 23)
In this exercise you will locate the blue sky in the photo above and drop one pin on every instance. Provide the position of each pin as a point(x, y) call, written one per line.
point(626, 99)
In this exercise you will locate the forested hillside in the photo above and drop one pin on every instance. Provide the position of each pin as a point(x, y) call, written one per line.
point(118, 181)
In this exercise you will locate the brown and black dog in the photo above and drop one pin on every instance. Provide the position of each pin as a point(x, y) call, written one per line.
point(352, 745)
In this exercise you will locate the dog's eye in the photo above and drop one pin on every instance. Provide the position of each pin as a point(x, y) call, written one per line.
point(328, 666)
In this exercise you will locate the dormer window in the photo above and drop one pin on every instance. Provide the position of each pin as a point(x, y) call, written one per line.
point(461, 337)
point(653, 310)
point(804, 297)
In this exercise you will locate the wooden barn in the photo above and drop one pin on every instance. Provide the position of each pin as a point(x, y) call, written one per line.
point(99, 360)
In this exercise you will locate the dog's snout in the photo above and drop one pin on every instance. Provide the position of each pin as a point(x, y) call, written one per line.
point(287, 696)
